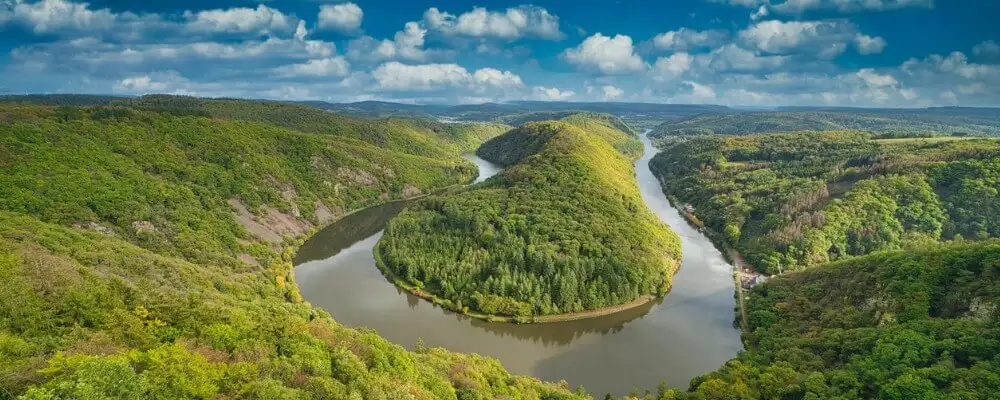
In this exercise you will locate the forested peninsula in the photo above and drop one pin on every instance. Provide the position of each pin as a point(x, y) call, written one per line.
point(145, 252)
point(562, 230)
point(790, 201)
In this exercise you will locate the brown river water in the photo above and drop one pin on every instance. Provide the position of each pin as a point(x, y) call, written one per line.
point(686, 334)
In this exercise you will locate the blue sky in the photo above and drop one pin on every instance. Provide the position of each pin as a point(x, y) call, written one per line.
point(876, 53)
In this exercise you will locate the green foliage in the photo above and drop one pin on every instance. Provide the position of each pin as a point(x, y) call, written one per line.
point(177, 174)
point(914, 325)
point(418, 137)
point(563, 230)
point(886, 123)
point(124, 270)
point(788, 201)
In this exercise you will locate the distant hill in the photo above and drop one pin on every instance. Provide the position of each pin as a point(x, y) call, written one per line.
point(884, 122)
point(513, 112)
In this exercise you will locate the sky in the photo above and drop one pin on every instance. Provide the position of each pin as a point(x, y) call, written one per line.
point(869, 53)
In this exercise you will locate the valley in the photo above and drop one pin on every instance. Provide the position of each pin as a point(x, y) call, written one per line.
point(200, 248)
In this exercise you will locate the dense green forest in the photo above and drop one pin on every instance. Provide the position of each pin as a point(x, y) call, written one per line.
point(787, 201)
point(919, 324)
point(562, 230)
point(145, 253)
point(887, 123)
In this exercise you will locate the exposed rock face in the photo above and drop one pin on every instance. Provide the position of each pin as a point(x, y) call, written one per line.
point(289, 194)
point(144, 227)
point(272, 226)
point(246, 258)
point(358, 176)
point(95, 227)
point(410, 191)
point(324, 214)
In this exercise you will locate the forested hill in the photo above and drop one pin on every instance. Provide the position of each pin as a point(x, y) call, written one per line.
point(920, 324)
point(562, 230)
point(789, 201)
point(145, 253)
point(887, 123)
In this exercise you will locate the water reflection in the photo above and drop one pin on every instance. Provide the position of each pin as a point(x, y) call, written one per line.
point(686, 334)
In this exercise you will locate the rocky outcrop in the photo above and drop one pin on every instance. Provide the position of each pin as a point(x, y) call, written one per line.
point(358, 176)
point(144, 227)
point(410, 191)
point(94, 227)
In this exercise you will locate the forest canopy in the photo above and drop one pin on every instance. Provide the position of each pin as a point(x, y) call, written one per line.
point(788, 201)
point(562, 230)
point(130, 269)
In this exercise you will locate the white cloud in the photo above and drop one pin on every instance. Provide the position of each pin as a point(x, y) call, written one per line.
point(551, 94)
point(847, 6)
point(262, 20)
point(987, 49)
point(956, 63)
point(699, 91)
point(685, 39)
point(761, 13)
point(668, 68)
point(868, 44)
point(514, 23)
point(611, 92)
point(875, 79)
point(800, 6)
point(427, 77)
point(827, 39)
point(51, 16)
point(344, 17)
point(323, 67)
point(491, 77)
point(606, 55)
point(407, 44)
point(909, 94)
point(734, 58)
point(140, 84)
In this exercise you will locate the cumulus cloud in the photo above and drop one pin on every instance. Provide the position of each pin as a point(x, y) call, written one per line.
point(407, 44)
point(611, 92)
point(955, 63)
point(669, 68)
point(685, 39)
point(987, 49)
point(344, 17)
point(551, 94)
point(826, 39)
point(606, 55)
point(428, 77)
point(735, 58)
point(845, 6)
point(323, 67)
point(761, 13)
point(262, 20)
point(868, 44)
point(514, 23)
point(51, 16)
point(800, 6)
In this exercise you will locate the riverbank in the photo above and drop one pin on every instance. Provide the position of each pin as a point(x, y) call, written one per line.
point(539, 319)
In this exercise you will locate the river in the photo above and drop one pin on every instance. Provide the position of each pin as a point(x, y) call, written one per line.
point(688, 333)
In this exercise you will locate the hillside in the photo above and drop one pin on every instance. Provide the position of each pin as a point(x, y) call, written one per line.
point(563, 230)
point(889, 123)
point(788, 201)
point(919, 324)
point(148, 254)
